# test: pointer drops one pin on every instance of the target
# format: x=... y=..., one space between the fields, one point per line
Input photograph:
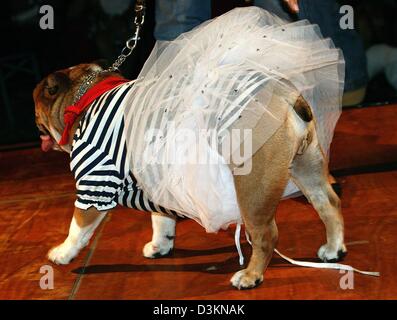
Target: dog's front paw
x=245 y=279
x=63 y=254
x=152 y=250
x=329 y=254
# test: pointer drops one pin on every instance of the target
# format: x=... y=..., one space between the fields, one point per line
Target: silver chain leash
x=130 y=45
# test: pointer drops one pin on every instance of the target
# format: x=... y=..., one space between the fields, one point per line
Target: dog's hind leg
x=81 y=229
x=264 y=236
x=163 y=236
x=258 y=195
x=310 y=173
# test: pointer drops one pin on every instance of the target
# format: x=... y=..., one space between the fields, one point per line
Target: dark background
x=84 y=33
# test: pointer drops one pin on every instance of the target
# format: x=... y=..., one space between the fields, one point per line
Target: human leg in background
x=277 y=7
x=174 y=17
x=326 y=14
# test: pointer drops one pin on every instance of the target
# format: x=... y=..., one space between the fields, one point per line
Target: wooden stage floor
x=36 y=200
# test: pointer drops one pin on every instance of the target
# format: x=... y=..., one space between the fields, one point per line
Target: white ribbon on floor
x=320 y=265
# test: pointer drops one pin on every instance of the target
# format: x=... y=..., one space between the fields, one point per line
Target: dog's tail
x=303 y=110
x=306 y=127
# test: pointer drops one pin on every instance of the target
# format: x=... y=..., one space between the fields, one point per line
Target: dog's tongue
x=46 y=143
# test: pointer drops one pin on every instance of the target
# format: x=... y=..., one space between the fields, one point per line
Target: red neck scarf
x=74 y=111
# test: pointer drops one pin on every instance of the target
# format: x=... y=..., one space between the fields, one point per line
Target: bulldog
x=293 y=152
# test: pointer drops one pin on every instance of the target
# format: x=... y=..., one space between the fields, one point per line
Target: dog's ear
x=56 y=83
x=103 y=63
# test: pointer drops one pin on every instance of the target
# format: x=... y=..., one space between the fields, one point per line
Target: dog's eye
x=52 y=90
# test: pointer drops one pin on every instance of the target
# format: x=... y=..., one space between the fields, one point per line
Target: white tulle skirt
x=199 y=94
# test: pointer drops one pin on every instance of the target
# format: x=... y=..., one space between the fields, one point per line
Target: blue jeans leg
x=326 y=14
x=174 y=17
x=274 y=6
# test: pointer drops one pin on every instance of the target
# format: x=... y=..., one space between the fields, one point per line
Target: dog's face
x=51 y=96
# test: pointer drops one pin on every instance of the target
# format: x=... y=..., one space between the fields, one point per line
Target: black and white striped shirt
x=98 y=158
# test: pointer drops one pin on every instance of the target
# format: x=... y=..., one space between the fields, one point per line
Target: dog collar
x=74 y=111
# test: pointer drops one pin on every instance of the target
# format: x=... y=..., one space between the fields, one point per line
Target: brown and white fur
x=293 y=152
